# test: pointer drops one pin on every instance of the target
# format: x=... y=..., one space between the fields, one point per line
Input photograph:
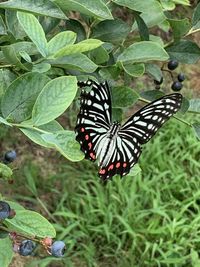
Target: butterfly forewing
x=146 y=122
x=93 y=120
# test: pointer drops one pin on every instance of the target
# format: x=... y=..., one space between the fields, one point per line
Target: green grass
x=152 y=219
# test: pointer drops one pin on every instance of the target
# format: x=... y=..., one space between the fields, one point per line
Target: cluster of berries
x=177 y=84
x=27 y=247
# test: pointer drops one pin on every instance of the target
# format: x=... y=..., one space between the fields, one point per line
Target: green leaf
x=65 y=143
x=196 y=15
x=151 y=94
x=54 y=99
x=154 y=70
x=114 y=31
x=3 y=30
x=75 y=62
x=61 y=40
x=5 y=171
x=2 y=120
x=36 y=136
x=179 y=27
x=6 y=252
x=27 y=47
x=14 y=205
x=13 y=24
x=184 y=51
x=184 y=106
x=194 y=105
x=94 y=8
x=6 y=77
x=110 y=72
x=117 y=114
x=41 y=67
x=30 y=223
x=142 y=27
x=40 y=7
x=19 y=98
x=34 y=31
x=134 y=70
x=76 y=26
x=81 y=47
x=196 y=127
x=123 y=96
x=143 y=51
x=99 y=55
x=135 y=170
x=12 y=57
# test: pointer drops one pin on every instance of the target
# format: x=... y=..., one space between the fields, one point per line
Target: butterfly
x=117 y=147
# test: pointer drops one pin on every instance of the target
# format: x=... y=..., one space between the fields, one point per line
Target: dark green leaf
x=94 y=8
x=20 y=96
x=196 y=15
x=2 y=27
x=194 y=105
x=6 y=77
x=40 y=7
x=113 y=31
x=154 y=70
x=110 y=72
x=13 y=24
x=184 y=51
x=179 y=27
x=196 y=127
x=123 y=96
x=99 y=55
x=54 y=99
x=77 y=27
x=142 y=27
x=117 y=114
x=6 y=252
x=185 y=105
x=134 y=70
x=65 y=143
x=12 y=57
x=151 y=94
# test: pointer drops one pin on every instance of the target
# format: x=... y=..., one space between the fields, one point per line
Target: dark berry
x=176 y=86
x=26 y=247
x=158 y=82
x=10 y=156
x=181 y=77
x=4 y=210
x=172 y=64
x=58 y=249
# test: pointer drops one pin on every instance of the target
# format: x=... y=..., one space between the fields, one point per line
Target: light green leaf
x=61 y=40
x=99 y=55
x=96 y=8
x=134 y=70
x=81 y=47
x=142 y=52
x=123 y=96
x=12 y=57
x=179 y=27
x=5 y=171
x=34 y=31
x=19 y=98
x=154 y=70
x=6 y=77
x=196 y=15
x=40 y=7
x=13 y=24
x=194 y=105
x=65 y=143
x=3 y=30
x=135 y=170
x=30 y=223
x=41 y=67
x=75 y=62
x=6 y=252
x=2 y=120
x=54 y=99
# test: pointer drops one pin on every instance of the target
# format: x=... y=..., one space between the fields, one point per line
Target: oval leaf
x=143 y=51
x=134 y=70
x=123 y=96
x=54 y=99
x=6 y=251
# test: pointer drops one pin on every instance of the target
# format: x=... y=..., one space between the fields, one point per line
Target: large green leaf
x=54 y=99
x=40 y=7
x=142 y=52
x=6 y=77
x=34 y=31
x=61 y=40
x=184 y=51
x=30 y=223
x=123 y=96
x=6 y=252
x=19 y=98
x=96 y=8
x=179 y=27
x=75 y=62
x=81 y=47
x=65 y=143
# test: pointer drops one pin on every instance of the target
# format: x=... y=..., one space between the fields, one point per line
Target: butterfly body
x=118 y=147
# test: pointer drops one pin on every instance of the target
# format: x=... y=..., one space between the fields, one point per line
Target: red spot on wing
x=90 y=145
x=102 y=171
x=110 y=167
x=86 y=137
x=92 y=155
x=82 y=130
x=118 y=165
x=124 y=164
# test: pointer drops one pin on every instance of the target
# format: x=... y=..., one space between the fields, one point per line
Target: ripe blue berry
x=4 y=210
x=181 y=77
x=158 y=82
x=58 y=249
x=26 y=247
x=10 y=156
x=172 y=64
x=176 y=86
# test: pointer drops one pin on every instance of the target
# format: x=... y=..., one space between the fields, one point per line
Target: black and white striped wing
x=94 y=118
x=146 y=122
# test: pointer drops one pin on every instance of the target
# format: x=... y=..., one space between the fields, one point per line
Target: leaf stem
x=29 y=127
